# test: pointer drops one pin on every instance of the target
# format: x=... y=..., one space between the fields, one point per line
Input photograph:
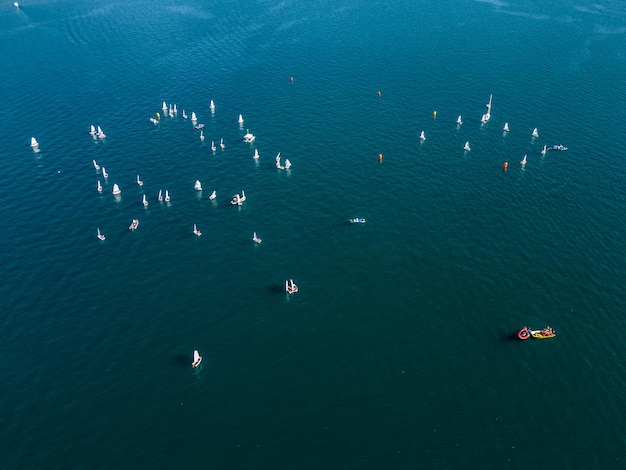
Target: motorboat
x=196 y=232
x=466 y=147
x=95 y=165
x=240 y=120
x=213 y=195
x=198 y=127
x=256 y=239
x=33 y=143
x=560 y=147
x=197 y=359
x=485 y=118
x=133 y=225
x=291 y=287
x=197 y=186
x=248 y=137
x=144 y=201
x=139 y=182
x=357 y=220
x=100 y=236
x=547 y=332
x=422 y=136
x=116 y=189
x=506 y=127
x=99 y=187
x=523 y=162
x=535 y=132
x=459 y=120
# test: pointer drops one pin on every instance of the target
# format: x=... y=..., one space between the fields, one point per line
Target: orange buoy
x=434 y=114
x=505 y=166
x=380 y=157
x=379 y=94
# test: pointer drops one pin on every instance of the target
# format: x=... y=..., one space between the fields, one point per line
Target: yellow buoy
x=158 y=116
x=434 y=114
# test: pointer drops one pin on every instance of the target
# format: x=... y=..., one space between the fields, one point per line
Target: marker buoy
x=379 y=94
x=380 y=157
x=291 y=80
x=505 y=166
x=434 y=114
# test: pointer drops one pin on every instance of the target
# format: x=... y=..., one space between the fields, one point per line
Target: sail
x=193 y=116
x=196 y=355
x=197 y=186
x=116 y=189
x=33 y=142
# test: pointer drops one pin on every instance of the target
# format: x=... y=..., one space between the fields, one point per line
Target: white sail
x=544 y=150
x=222 y=143
x=139 y=182
x=255 y=238
x=487 y=115
x=240 y=120
x=104 y=173
x=459 y=121
x=256 y=154
x=212 y=106
x=213 y=147
x=287 y=287
x=196 y=232
x=243 y=196
x=193 y=116
x=160 y=197
x=92 y=130
x=213 y=195
x=197 y=359
x=175 y=109
x=167 y=196
x=506 y=127
x=33 y=142
x=201 y=136
x=100 y=236
x=99 y=187
x=422 y=136
x=197 y=186
x=467 y=146
x=535 y=132
x=116 y=189
x=95 y=165
x=523 y=162
x=164 y=107
x=144 y=201
x=287 y=164
x=184 y=114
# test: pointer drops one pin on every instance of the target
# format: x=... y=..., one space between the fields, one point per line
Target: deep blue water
x=398 y=350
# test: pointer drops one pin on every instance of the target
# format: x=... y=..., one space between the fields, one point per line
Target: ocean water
x=398 y=351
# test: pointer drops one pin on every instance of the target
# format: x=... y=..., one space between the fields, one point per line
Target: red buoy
x=379 y=94
x=524 y=333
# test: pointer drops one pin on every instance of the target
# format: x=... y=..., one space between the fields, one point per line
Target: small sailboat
x=184 y=114
x=212 y=106
x=243 y=196
x=167 y=196
x=535 y=132
x=175 y=109
x=95 y=165
x=100 y=236
x=236 y=200
x=101 y=135
x=160 y=196
x=196 y=232
x=104 y=173
x=466 y=147
x=197 y=186
x=33 y=143
x=197 y=359
x=287 y=164
x=506 y=127
x=523 y=162
x=16 y=5
x=422 y=136
x=248 y=137
x=164 y=107
x=92 y=130
x=202 y=136
x=144 y=201
x=256 y=239
x=139 y=182
x=240 y=120
x=99 y=187
x=116 y=189
x=133 y=225
x=193 y=116
x=278 y=165
x=256 y=154
x=544 y=150
x=171 y=111
x=222 y=146
x=459 y=120
x=213 y=147
x=213 y=195
x=485 y=118
x=291 y=287
x=154 y=121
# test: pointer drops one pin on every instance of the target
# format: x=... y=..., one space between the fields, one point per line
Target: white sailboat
x=212 y=106
x=535 y=132
x=236 y=200
x=160 y=196
x=92 y=130
x=133 y=225
x=171 y=111
x=164 y=107
x=278 y=165
x=144 y=201
x=422 y=136
x=248 y=137
x=154 y=121
x=196 y=232
x=240 y=120
x=256 y=239
x=213 y=195
x=291 y=287
x=523 y=162
x=487 y=115
x=256 y=154
x=197 y=186
x=222 y=145
x=167 y=196
x=287 y=164
x=544 y=150
x=202 y=136
x=105 y=175
x=184 y=114
x=193 y=116
x=33 y=143
x=213 y=147
x=243 y=196
x=101 y=135
x=100 y=236
x=95 y=165
x=459 y=121
x=506 y=127
x=197 y=359
x=116 y=189
x=139 y=182
x=175 y=109
x=99 y=187
x=466 y=147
